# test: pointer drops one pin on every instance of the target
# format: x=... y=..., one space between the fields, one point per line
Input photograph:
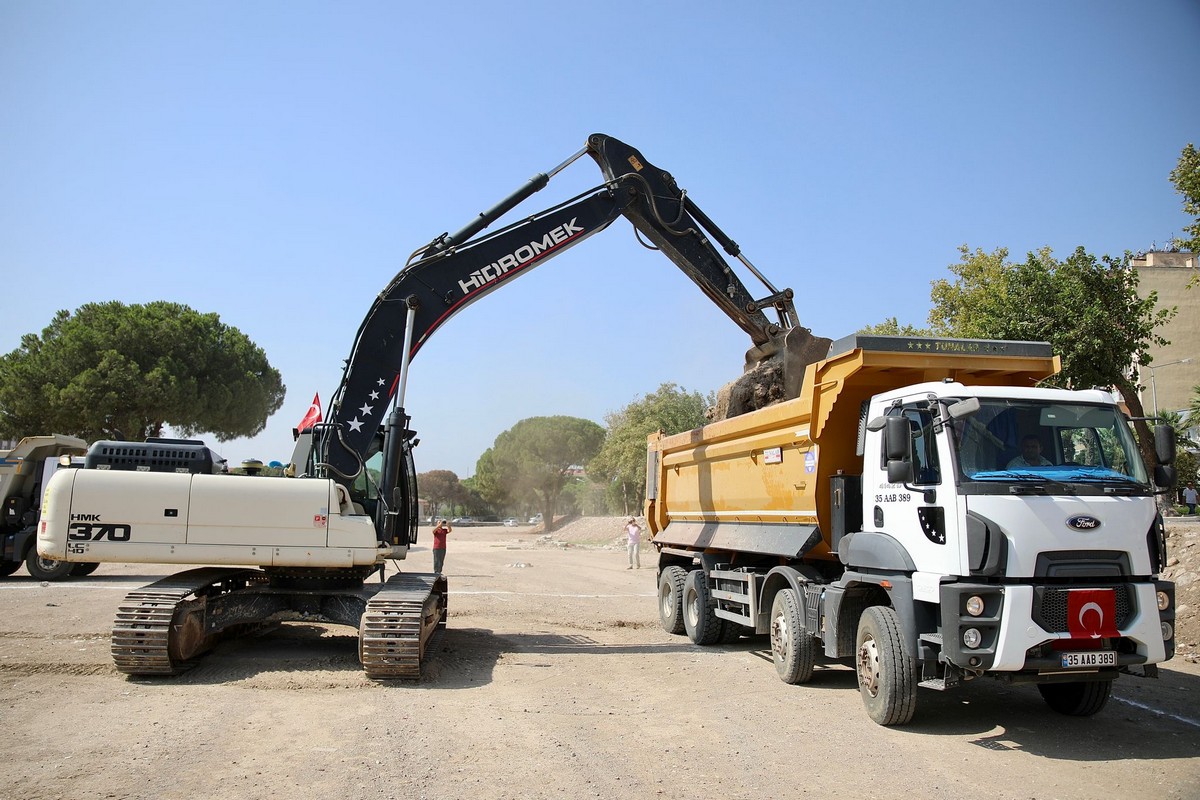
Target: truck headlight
x=1168 y=631
x=1164 y=601
x=972 y=637
x=974 y=605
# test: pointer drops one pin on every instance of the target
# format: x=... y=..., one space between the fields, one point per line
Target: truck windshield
x=1083 y=447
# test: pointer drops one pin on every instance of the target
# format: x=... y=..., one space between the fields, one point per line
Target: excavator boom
x=455 y=270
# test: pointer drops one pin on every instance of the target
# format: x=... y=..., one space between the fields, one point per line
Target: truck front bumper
x=1023 y=628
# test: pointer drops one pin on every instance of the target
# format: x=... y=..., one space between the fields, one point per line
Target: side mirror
x=897 y=439
x=897 y=446
x=899 y=471
x=1164 y=476
x=1164 y=444
x=963 y=408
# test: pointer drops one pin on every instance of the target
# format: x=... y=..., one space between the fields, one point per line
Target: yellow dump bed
x=760 y=482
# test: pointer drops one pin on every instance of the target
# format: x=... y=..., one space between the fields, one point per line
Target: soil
x=554 y=679
x=1183 y=567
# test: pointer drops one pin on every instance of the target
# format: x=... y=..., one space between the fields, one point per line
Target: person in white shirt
x=634 y=546
x=1031 y=454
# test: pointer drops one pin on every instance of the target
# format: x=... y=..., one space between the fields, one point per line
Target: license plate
x=1089 y=659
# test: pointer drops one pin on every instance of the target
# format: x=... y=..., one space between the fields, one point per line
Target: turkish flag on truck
x=313 y=416
x=1092 y=613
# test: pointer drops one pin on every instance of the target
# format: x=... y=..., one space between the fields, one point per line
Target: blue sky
x=276 y=162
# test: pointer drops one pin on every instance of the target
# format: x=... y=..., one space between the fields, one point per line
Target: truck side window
x=924 y=445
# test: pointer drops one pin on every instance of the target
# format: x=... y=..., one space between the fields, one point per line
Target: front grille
x=1050 y=607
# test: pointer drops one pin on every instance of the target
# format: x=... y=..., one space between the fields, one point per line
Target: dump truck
x=927 y=513
x=24 y=472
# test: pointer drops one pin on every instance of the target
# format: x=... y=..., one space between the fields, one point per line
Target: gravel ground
x=1183 y=567
x=552 y=679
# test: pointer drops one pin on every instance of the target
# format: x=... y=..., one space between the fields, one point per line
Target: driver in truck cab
x=1031 y=454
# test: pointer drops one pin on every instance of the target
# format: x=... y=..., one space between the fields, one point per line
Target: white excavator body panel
x=179 y=518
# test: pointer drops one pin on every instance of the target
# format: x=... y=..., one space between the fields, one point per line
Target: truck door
x=921 y=515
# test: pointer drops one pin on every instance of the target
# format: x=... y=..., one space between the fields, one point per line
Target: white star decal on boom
x=366 y=410
x=374 y=395
x=379 y=382
x=355 y=425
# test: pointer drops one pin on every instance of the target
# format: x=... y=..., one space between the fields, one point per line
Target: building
x=1167 y=384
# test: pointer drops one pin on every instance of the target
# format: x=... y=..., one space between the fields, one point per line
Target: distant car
x=536 y=519
x=511 y=522
x=463 y=521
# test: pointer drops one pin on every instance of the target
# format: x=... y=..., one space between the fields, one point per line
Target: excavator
x=319 y=539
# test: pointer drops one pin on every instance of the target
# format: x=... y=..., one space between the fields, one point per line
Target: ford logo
x=1083 y=523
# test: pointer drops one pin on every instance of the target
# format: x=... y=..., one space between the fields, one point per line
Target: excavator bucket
x=773 y=373
x=800 y=348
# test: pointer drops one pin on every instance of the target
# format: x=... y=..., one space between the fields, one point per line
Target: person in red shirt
x=439 y=545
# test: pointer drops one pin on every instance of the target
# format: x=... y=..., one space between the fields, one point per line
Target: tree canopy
x=441 y=488
x=111 y=367
x=534 y=459
x=1186 y=177
x=891 y=327
x=1087 y=308
x=621 y=462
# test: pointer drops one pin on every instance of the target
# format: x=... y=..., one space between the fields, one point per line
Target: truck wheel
x=700 y=620
x=792 y=649
x=47 y=569
x=670 y=599
x=886 y=674
x=1078 y=698
x=731 y=631
x=8 y=568
x=84 y=568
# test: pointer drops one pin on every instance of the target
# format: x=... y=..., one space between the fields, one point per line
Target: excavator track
x=150 y=635
x=397 y=624
x=162 y=627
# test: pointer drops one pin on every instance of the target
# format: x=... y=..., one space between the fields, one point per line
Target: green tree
x=1088 y=309
x=1186 y=177
x=533 y=459
x=891 y=327
x=440 y=488
x=490 y=483
x=111 y=367
x=621 y=462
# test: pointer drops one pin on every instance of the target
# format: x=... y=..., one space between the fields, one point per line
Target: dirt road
x=553 y=679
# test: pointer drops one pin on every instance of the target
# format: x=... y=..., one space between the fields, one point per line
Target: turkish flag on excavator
x=1092 y=613
x=313 y=416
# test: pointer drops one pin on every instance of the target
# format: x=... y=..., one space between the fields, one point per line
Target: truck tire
x=8 y=568
x=82 y=568
x=1078 y=698
x=700 y=619
x=47 y=569
x=792 y=649
x=731 y=631
x=670 y=599
x=887 y=677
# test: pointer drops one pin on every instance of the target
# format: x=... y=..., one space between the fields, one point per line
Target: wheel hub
x=868 y=666
x=779 y=637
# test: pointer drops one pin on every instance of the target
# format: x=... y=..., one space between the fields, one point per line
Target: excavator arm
x=457 y=269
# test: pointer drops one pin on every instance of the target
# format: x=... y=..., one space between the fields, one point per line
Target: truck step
x=934 y=683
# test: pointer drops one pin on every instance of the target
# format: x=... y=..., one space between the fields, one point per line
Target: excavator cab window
x=364 y=491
